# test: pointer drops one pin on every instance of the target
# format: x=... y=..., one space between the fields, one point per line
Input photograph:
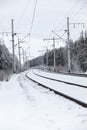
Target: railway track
x=83 y=86
x=37 y=78
x=57 y=77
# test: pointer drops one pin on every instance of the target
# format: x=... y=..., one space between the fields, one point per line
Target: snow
x=26 y=106
x=77 y=93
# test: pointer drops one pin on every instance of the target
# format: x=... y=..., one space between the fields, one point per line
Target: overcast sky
x=50 y=15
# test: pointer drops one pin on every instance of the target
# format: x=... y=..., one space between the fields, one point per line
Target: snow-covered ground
x=26 y=106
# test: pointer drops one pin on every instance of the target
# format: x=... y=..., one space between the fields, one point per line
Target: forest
x=78 y=54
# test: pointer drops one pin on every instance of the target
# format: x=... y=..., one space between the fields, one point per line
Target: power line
x=29 y=34
x=34 y=11
x=74 y=12
x=71 y=11
x=78 y=11
x=25 y=36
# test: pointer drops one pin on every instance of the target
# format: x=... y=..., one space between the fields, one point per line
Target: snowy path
x=26 y=106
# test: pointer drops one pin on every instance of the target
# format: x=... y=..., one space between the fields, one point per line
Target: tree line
x=78 y=54
x=6 y=58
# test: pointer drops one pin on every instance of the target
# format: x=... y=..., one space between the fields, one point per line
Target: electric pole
x=23 y=55
x=23 y=58
x=42 y=51
x=19 y=54
x=68 y=41
x=54 y=61
x=12 y=26
x=54 y=57
x=47 y=57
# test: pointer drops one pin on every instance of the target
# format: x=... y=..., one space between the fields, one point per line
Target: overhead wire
x=34 y=11
x=73 y=11
x=34 y=16
x=73 y=14
x=78 y=11
x=32 y=21
x=70 y=11
x=31 y=26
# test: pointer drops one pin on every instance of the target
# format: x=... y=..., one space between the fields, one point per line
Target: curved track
x=36 y=76
x=79 y=85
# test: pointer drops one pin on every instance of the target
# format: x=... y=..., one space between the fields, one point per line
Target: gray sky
x=50 y=15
